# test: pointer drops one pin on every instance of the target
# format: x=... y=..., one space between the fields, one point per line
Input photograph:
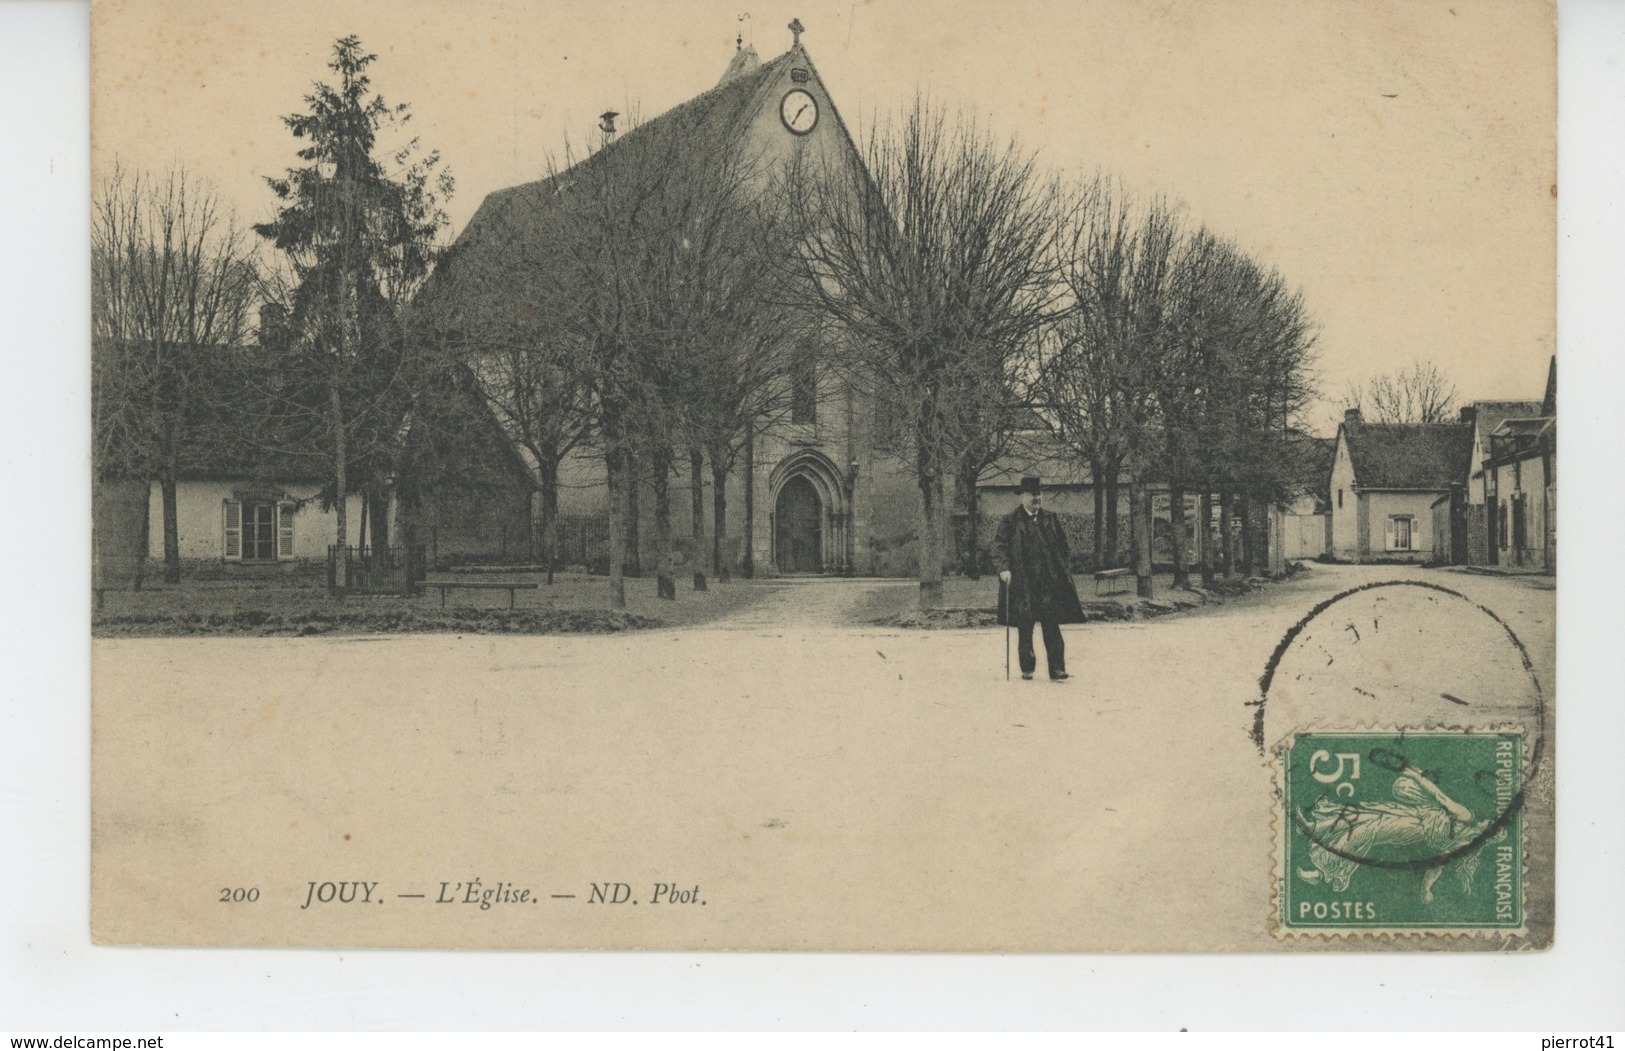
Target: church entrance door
x=798 y=540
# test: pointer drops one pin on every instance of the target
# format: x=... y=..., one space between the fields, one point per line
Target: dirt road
x=822 y=786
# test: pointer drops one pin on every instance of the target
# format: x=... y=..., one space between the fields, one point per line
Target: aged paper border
x=47 y=766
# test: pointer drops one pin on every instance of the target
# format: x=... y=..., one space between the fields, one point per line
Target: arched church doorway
x=798 y=518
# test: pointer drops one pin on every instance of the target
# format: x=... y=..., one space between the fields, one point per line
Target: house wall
x=1383 y=506
x=1478 y=534
x=1441 y=531
x=1475 y=469
x=200 y=522
x=880 y=501
x=1345 y=531
x=1527 y=478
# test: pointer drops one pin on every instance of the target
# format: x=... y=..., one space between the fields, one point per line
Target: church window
x=804 y=387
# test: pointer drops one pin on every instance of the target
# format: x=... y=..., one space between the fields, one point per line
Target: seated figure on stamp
x=1422 y=817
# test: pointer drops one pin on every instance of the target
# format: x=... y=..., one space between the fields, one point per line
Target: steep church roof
x=744 y=61
x=477 y=281
x=709 y=122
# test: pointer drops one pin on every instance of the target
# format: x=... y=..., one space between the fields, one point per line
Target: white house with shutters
x=1385 y=481
x=243 y=523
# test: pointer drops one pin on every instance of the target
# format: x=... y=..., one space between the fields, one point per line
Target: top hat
x=1029 y=484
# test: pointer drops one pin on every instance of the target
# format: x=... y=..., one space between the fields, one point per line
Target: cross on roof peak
x=796 y=29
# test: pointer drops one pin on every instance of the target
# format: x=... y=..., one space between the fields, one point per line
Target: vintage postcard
x=832 y=476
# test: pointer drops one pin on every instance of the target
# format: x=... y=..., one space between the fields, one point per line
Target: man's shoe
x=1026 y=675
x=1059 y=676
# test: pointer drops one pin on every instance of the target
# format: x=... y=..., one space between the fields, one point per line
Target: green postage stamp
x=1402 y=831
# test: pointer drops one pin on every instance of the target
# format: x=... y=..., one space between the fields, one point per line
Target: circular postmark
x=1409 y=721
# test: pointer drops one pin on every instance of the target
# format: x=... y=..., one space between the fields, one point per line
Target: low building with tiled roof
x=1385 y=479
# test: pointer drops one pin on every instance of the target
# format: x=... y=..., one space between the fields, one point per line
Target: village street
x=822 y=785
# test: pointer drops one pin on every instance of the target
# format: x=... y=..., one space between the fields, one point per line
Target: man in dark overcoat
x=1034 y=566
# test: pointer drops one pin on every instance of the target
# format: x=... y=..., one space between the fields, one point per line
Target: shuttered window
x=284 y=530
x=233 y=517
x=1401 y=534
x=256 y=531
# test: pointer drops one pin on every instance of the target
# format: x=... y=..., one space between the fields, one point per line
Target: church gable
x=774 y=112
x=796 y=119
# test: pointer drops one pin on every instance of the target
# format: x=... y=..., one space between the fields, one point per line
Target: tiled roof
x=1409 y=455
x=1487 y=415
x=478 y=278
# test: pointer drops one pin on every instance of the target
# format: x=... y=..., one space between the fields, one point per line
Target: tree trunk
x=932 y=548
x=1139 y=502
x=719 y=520
x=1204 y=536
x=146 y=538
x=335 y=420
x=406 y=518
x=960 y=544
x=634 y=541
x=1226 y=554
x=973 y=530
x=1100 y=514
x=665 y=574
x=549 y=538
x=748 y=563
x=1176 y=534
x=1113 y=548
x=696 y=482
x=1246 y=511
x=378 y=515
x=172 y=533
x=615 y=476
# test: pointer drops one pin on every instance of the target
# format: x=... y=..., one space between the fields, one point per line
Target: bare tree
x=934 y=256
x=1109 y=352
x=623 y=291
x=173 y=287
x=482 y=308
x=1179 y=358
x=742 y=352
x=1418 y=393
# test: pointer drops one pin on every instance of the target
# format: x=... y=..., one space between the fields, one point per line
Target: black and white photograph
x=835 y=476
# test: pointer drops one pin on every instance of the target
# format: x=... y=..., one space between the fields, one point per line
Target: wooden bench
x=1111 y=576
x=481 y=585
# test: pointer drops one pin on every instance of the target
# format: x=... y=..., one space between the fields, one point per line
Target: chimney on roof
x=1352 y=418
x=1469 y=414
x=606 y=124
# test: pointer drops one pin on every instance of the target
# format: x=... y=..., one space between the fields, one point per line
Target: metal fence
x=583 y=540
x=377 y=571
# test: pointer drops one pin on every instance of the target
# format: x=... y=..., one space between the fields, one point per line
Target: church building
x=821 y=488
